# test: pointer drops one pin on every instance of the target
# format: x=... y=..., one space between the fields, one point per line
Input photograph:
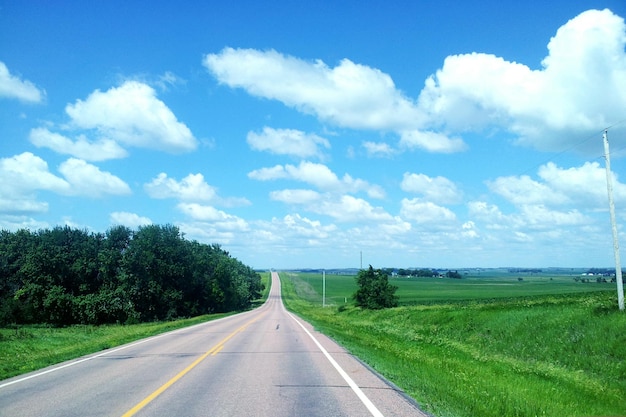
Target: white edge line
x=108 y=352
x=366 y=401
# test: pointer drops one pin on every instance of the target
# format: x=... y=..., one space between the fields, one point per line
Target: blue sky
x=421 y=134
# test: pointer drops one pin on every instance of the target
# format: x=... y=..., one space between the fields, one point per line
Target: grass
x=485 y=352
x=28 y=348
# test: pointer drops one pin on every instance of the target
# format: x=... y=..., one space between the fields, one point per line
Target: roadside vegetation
x=25 y=348
x=537 y=352
x=64 y=276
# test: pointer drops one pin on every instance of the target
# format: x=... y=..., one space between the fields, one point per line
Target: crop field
x=485 y=285
x=489 y=345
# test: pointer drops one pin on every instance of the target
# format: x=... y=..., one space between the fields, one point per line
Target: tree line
x=64 y=276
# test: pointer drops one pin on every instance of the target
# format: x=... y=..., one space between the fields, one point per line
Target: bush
x=374 y=290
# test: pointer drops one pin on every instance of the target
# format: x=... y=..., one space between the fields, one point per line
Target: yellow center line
x=213 y=351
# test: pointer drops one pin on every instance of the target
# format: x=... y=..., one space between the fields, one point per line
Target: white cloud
x=378 y=149
x=296 y=196
x=21 y=176
x=268 y=174
x=89 y=180
x=288 y=142
x=349 y=95
x=100 y=150
x=12 y=86
x=343 y=208
x=191 y=188
x=583 y=186
x=469 y=230
x=319 y=176
x=426 y=213
x=524 y=190
x=580 y=89
x=490 y=214
x=208 y=224
x=27 y=172
x=351 y=209
x=167 y=80
x=431 y=141
x=131 y=114
x=131 y=220
x=298 y=226
x=539 y=216
x=437 y=189
x=220 y=219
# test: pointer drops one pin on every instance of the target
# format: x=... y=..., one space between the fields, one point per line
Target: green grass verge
x=28 y=348
x=540 y=355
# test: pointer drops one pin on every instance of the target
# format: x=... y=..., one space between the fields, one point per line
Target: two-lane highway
x=264 y=362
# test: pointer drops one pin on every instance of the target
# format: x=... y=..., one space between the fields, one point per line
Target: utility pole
x=324 y=288
x=609 y=187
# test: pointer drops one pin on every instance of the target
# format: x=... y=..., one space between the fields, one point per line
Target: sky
x=443 y=134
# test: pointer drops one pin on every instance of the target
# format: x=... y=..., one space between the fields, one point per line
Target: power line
x=594 y=135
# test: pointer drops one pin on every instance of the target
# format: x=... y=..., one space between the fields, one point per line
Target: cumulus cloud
x=529 y=219
x=29 y=172
x=584 y=186
x=89 y=180
x=192 y=188
x=319 y=176
x=301 y=226
x=580 y=89
x=343 y=208
x=288 y=142
x=21 y=176
x=132 y=114
x=291 y=196
x=431 y=141
x=208 y=224
x=348 y=95
x=103 y=125
x=426 y=212
x=347 y=208
x=131 y=220
x=210 y=214
x=12 y=86
x=99 y=150
x=379 y=149
x=539 y=216
x=438 y=189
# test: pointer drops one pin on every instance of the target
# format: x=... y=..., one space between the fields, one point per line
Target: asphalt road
x=264 y=362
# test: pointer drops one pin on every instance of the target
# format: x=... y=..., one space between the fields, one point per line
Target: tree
x=63 y=276
x=374 y=291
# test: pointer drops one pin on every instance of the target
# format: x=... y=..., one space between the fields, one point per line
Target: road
x=264 y=362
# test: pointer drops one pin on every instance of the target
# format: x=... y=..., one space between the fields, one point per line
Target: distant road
x=264 y=362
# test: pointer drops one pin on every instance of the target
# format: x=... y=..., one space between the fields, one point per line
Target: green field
x=484 y=345
x=486 y=285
